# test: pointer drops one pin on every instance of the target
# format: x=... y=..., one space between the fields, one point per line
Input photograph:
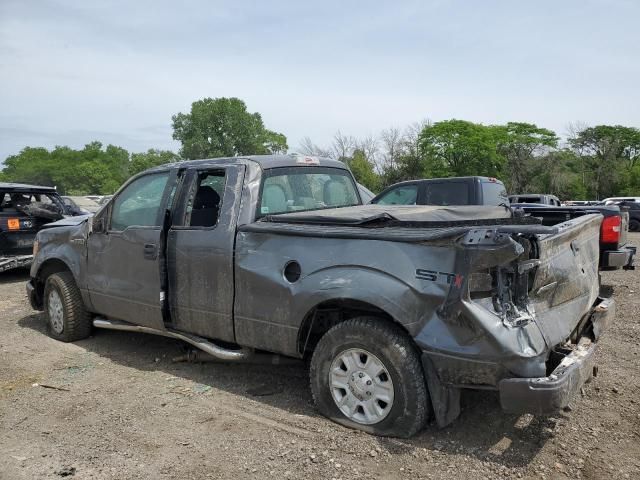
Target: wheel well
x=327 y=314
x=46 y=269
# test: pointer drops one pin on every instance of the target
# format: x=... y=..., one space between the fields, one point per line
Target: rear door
x=200 y=252
x=123 y=264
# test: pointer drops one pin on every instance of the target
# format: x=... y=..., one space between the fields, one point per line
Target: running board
x=199 y=342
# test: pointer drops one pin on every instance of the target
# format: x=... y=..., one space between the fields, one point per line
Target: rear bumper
x=621 y=258
x=545 y=395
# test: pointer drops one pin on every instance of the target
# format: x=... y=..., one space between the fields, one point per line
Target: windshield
x=297 y=189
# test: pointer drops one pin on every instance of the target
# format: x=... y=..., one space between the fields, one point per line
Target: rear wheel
x=366 y=374
x=67 y=317
x=634 y=225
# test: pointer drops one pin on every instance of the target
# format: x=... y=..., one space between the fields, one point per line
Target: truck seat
x=205 y=207
x=274 y=199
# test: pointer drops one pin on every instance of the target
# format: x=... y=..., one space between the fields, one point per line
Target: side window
x=204 y=207
x=447 y=193
x=404 y=195
x=494 y=193
x=139 y=203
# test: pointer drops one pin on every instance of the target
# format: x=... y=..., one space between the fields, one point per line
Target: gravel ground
x=123 y=409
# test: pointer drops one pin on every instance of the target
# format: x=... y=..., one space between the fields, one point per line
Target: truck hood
x=68 y=221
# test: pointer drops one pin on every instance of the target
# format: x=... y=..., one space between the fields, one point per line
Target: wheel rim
x=361 y=386
x=56 y=313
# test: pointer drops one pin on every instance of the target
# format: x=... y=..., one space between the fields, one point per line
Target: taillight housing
x=611 y=229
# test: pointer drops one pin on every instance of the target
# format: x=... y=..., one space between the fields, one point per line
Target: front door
x=200 y=247
x=123 y=269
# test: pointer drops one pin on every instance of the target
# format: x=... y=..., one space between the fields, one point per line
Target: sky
x=116 y=71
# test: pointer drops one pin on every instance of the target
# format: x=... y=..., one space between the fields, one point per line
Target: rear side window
x=139 y=203
x=403 y=195
x=494 y=193
x=447 y=193
x=204 y=209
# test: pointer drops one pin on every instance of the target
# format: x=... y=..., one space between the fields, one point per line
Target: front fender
x=62 y=246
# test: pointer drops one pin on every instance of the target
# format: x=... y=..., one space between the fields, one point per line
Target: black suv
x=24 y=209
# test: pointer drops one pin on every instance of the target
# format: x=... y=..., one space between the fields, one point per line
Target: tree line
x=590 y=163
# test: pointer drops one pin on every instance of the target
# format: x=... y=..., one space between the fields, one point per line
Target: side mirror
x=98 y=225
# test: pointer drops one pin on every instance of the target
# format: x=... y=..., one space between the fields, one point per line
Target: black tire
x=634 y=225
x=75 y=319
x=411 y=406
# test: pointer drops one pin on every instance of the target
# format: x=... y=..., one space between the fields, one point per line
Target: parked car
x=104 y=199
x=620 y=199
x=81 y=205
x=581 y=203
x=397 y=308
x=634 y=214
x=539 y=198
x=615 y=250
x=445 y=191
x=24 y=209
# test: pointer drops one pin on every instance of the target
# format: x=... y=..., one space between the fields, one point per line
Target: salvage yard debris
x=52 y=387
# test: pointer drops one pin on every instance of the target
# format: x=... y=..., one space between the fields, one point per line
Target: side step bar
x=205 y=345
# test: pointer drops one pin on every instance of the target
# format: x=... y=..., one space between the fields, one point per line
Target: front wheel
x=67 y=317
x=366 y=374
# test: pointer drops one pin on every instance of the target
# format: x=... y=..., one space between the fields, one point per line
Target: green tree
x=222 y=127
x=403 y=156
x=610 y=154
x=151 y=158
x=457 y=148
x=31 y=165
x=92 y=170
x=558 y=173
x=519 y=143
x=363 y=170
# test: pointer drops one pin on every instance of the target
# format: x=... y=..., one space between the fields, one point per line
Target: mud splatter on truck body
x=399 y=307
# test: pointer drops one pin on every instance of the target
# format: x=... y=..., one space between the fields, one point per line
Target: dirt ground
x=124 y=409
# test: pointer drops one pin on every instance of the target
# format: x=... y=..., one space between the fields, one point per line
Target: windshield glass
x=296 y=189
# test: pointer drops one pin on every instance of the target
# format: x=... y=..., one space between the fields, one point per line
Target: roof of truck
x=451 y=179
x=264 y=161
x=21 y=187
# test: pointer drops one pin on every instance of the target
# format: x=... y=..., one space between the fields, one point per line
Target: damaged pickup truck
x=397 y=308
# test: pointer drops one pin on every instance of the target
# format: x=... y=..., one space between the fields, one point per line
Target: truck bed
x=396 y=223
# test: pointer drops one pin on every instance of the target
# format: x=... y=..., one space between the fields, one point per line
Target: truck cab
x=171 y=231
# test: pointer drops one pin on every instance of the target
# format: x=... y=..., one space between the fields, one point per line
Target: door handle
x=150 y=251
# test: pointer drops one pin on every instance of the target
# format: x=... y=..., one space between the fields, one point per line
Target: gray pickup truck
x=396 y=308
